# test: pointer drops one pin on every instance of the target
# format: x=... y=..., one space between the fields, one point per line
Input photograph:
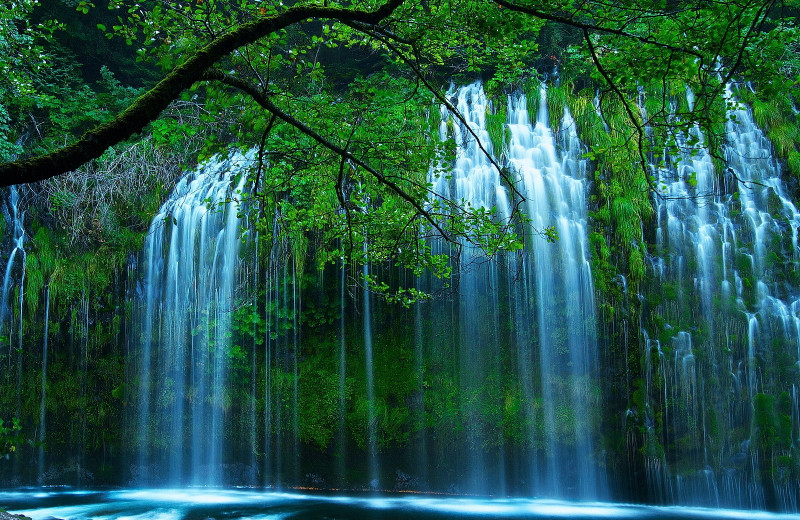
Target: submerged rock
x=11 y=516
x=406 y=482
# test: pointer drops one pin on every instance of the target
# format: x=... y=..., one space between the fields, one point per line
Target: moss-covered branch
x=148 y=107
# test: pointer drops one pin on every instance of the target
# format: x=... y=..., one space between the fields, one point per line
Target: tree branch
x=639 y=130
x=266 y=103
x=148 y=106
x=520 y=197
x=594 y=27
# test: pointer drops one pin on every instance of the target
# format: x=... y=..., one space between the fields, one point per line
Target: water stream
x=545 y=294
x=186 y=504
x=11 y=332
x=191 y=264
x=719 y=242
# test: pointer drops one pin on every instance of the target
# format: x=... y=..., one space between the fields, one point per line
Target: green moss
x=45 y=250
x=783 y=420
x=626 y=220
x=793 y=161
x=652 y=449
x=34 y=282
x=766 y=115
x=319 y=392
x=590 y=126
x=531 y=87
x=784 y=138
x=556 y=101
x=636 y=265
x=496 y=128
x=764 y=421
x=40 y=265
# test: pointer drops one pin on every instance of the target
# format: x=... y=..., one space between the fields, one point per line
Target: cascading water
x=191 y=260
x=272 y=414
x=12 y=214
x=492 y=387
x=11 y=329
x=531 y=314
x=730 y=312
x=372 y=441
x=341 y=434
x=14 y=275
x=548 y=296
x=283 y=299
x=43 y=396
x=474 y=181
x=560 y=275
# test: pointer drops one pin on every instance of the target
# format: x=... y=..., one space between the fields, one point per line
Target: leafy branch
x=148 y=106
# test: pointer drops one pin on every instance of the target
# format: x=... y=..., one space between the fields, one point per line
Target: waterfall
x=43 y=396
x=372 y=440
x=729 y=308
x=295 y=356
x=555 y=186
x=341 y=434
x=12 y=214
x=282 y=448
x=14 y=271
x=550 y=300
x=421 y=458
x=474 y=181
x=254 y=366
x=192 y=253
x=271 y=328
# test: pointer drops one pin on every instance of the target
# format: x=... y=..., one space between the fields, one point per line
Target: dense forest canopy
x=268 y=53
x=338 y=97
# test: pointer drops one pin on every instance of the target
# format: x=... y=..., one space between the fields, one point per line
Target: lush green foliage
x=10 y=437
x=335 y=114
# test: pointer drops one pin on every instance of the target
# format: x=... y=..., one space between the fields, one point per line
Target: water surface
x=206 y=504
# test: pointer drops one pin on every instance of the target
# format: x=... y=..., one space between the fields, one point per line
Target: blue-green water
x=217 y=504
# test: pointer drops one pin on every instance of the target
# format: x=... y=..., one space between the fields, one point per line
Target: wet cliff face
x=649 y=352
x=720 y=330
